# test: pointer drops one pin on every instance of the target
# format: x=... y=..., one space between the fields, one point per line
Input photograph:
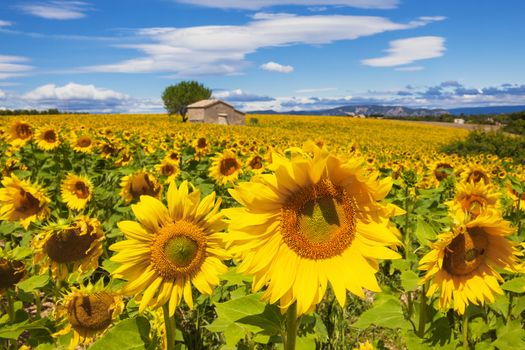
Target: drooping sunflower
x=139 y=184
x=315 y=220
x=11 y=271
x=22 y=201
x=69 y=246
x=171 y=249
x=462 y=263
x=255 y=164
x=225 y=168
x=474 y=197
x=19 y=133
x=76 y=191
x=475 y=172
x=47 y=139
x=88 y=312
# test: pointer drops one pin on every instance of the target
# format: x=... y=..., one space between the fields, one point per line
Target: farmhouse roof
x=209 y=103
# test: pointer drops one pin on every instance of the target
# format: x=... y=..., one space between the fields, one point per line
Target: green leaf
x=516 y=285
x=305 y=343
x=130 y=334
x=409 y=280
x=234 y=278
x=424 y=232
x=13 y=331
x=33 y=283
x=510 y=337
x=386 y=312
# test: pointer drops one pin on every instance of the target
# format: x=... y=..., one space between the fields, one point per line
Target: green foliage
x=496 y=143
x=177 y=97
x=130 y=334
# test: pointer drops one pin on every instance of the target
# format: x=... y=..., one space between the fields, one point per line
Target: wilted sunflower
x=442 y=170
x=462 y=264
x=474 y=197
x=169 y=169
x=47 y=139
x=76 y=191
x=20 y=133
x=255 y=164
x=82 y=143
x=88 y=312
x=171 y=249
x=22 y=201
x=475 y=172
x=11 y=271
x=139 y=184
x=315 y=220
x=225 y=168
x=65 y=246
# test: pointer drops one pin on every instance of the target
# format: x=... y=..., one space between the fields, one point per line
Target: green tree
x=177 y=97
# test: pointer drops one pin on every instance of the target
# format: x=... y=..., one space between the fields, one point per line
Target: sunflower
x=47 y=139
x=19 y=133
x=22 y=201
x=11 y=271
x=171 y=249
x=462 y=263
x=169 y=169
x=475 y=172
x=139 y=184
x=66 y=246
x=442 y=170
x=255 y=164
x=225 y=168
x=365 y=346
x=76 y=191
x=201 y=147
x=474 y=197
x=315 y=220
x=82 y=143
x=88 y=312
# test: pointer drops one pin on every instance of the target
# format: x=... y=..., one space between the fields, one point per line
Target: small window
x=223 y=120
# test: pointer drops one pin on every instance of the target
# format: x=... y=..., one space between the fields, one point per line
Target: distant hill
x=487 y=110
x=398 y=111
x=390 y=111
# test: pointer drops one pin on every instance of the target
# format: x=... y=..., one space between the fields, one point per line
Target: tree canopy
x=177 y=97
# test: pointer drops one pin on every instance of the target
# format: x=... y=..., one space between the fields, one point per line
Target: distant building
x=214 y=112
x=459 y=121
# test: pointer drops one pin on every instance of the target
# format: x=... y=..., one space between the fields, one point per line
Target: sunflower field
x=141 y=232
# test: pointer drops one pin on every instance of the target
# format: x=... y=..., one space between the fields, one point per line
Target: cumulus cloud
x=11 y=66
x=5 y=23
x=57 y=9
x=276 y=67
x=75 y=97
x=223 y=49
x=238 y=95
x=406 y=51
x=258 y=4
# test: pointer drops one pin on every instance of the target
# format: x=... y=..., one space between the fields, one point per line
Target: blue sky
x=119 y=55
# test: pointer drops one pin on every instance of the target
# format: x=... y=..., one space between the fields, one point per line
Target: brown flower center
x=11 y=272
x=201 y=142
x=256 y=163
x=476 y=176
x=84 y=141
x=442 y=171
x=179 y=249
x=228 y=166
x=50 y=136
x=466 y=252
x=141 y=185
x=23 y=131
x=319 y=221
x=167 y=169
x=92 y=313
x=70 y=245
x=81 y=190
x=26 y=204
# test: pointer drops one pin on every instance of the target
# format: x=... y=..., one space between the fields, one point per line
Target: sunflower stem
x=10 y=306
x=169 y=323
x=422 y=313
x=38 y=303
x=465 y=331
x=291 y=327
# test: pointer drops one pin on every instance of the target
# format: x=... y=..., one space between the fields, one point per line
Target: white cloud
x=257 y=4
x=73 y=91
x=5 y=23
x=2 y=94
x=409 y=69
x=276 y=67
x=57 y=9
x=222 y=49
x=239 y=95
x=10 y=66
x=406 y=51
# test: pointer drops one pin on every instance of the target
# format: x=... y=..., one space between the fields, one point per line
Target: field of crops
x=142 y=232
